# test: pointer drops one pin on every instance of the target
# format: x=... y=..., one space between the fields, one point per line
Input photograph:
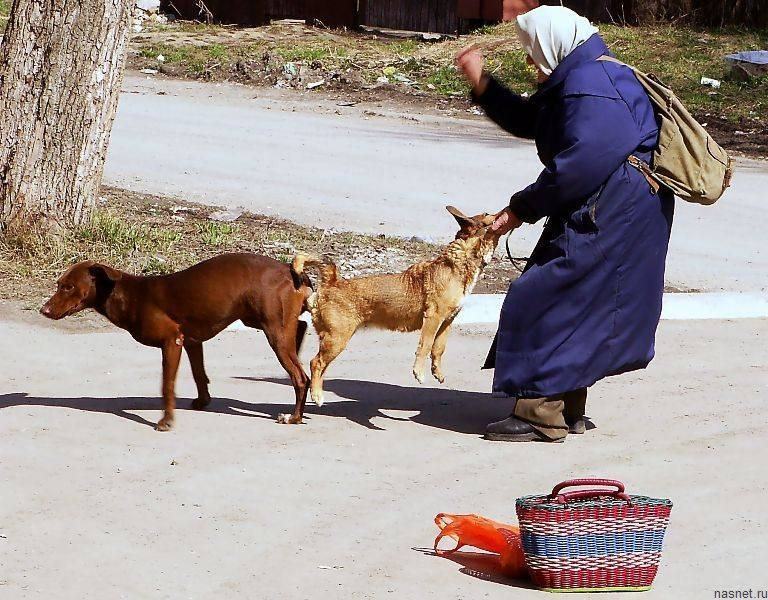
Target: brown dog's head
x=84 y=285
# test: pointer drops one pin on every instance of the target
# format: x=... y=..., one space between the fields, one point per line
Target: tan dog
x=426 y=296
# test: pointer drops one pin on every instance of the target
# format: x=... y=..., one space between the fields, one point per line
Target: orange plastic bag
x=479 y=532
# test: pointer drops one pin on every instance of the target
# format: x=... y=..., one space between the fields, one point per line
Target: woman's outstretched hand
x=505 y=222
x=470 y=61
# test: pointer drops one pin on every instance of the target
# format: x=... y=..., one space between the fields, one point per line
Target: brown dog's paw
x=164 y=425
x=200 y=403
x=286 y=419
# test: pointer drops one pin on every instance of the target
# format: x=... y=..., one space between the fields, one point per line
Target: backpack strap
x=633 y=160
x=612 y=59
x=646 y=170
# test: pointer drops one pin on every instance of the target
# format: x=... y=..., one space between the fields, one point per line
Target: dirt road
x=95 y=504
x=379 y=169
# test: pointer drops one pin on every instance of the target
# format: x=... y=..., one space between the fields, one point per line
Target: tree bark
x=61 y=67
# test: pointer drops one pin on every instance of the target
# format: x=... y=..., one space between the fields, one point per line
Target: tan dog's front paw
x=418 y=374
x=164 y=424
x=317 y=397
x=287 y=419
x=438 y=374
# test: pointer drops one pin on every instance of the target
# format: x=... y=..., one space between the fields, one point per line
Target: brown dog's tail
x=328 y=272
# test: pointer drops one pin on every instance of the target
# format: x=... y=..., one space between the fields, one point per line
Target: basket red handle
x=564 y=497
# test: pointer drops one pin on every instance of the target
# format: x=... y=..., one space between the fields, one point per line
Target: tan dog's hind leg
x=429 y=329
x=438 y=348
x=331 y=345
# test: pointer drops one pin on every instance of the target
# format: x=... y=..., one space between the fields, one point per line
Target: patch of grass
x=145 y=234
x=448 y=81
x=403 y=47
x=150 y=235
x=217 y=51
x=511 y=68
x=214 y=233
x=681 y=56
x=5 y=10
x=115 y=235
x=310 y=53
x=192 y=58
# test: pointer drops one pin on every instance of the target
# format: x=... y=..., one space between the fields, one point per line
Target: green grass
x=217 y=51
x=108 y=237
x=403 y=47
x=310 y=53
x=447 y=81
x=5 y=9
x=680 y=56
x=148 y=235
x=112 y=236
x=213 y=233
x=194 y=59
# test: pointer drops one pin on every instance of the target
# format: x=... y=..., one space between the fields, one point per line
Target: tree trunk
x=61 y=67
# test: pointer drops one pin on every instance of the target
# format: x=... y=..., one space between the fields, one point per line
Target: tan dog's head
x=477 y=232
x=84 y=285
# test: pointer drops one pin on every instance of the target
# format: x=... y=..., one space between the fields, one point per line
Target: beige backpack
x=687 y=161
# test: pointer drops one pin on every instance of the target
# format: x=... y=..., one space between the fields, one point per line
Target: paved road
x=312 y=161
x=94 y=504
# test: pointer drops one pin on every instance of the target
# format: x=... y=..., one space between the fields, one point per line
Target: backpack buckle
x=646 y=170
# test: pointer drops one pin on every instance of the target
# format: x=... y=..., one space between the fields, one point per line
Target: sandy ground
x=95 y=504
x=382 y=168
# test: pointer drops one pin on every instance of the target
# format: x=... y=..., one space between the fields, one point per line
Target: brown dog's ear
x=100 y=271
x=462 y=219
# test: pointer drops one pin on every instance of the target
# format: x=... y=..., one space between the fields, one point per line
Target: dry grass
x=148 y=235
x=259 y=54
x=679 y=54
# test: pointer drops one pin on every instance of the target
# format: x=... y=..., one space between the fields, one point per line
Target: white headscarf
x=550 y=33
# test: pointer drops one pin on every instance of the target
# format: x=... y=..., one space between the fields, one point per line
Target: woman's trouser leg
x=544 y=414
x=575 y=406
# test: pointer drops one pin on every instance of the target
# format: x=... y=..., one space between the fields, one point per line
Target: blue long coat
x=589 y=301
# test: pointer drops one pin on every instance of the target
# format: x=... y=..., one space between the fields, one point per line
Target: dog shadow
x=480 y=565
x=121 y=407
x=362 y=401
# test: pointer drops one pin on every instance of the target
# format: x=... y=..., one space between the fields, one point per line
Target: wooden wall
x=452 y=16
x=438 y=16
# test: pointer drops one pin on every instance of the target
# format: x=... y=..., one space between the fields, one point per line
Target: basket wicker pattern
x=597 y=540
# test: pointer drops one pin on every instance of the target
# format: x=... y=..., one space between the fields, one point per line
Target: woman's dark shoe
x=513 y=429
x=578 y=426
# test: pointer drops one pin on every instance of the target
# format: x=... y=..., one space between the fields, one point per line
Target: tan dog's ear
x=103 y=271
x=462 y=219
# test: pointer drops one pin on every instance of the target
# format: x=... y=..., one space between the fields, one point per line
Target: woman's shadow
x=361 y=402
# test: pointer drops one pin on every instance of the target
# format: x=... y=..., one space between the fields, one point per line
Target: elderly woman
x=588 y=303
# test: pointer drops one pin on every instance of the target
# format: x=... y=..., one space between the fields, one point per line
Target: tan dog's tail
x=328 y=272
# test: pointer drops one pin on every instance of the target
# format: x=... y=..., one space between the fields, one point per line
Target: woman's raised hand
x=470 y=61
x=505 y=221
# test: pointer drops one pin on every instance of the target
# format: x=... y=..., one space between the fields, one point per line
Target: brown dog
x=187 y=308
x=427 y=296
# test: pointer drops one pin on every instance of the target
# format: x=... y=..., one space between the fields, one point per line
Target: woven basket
x=592 y=540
